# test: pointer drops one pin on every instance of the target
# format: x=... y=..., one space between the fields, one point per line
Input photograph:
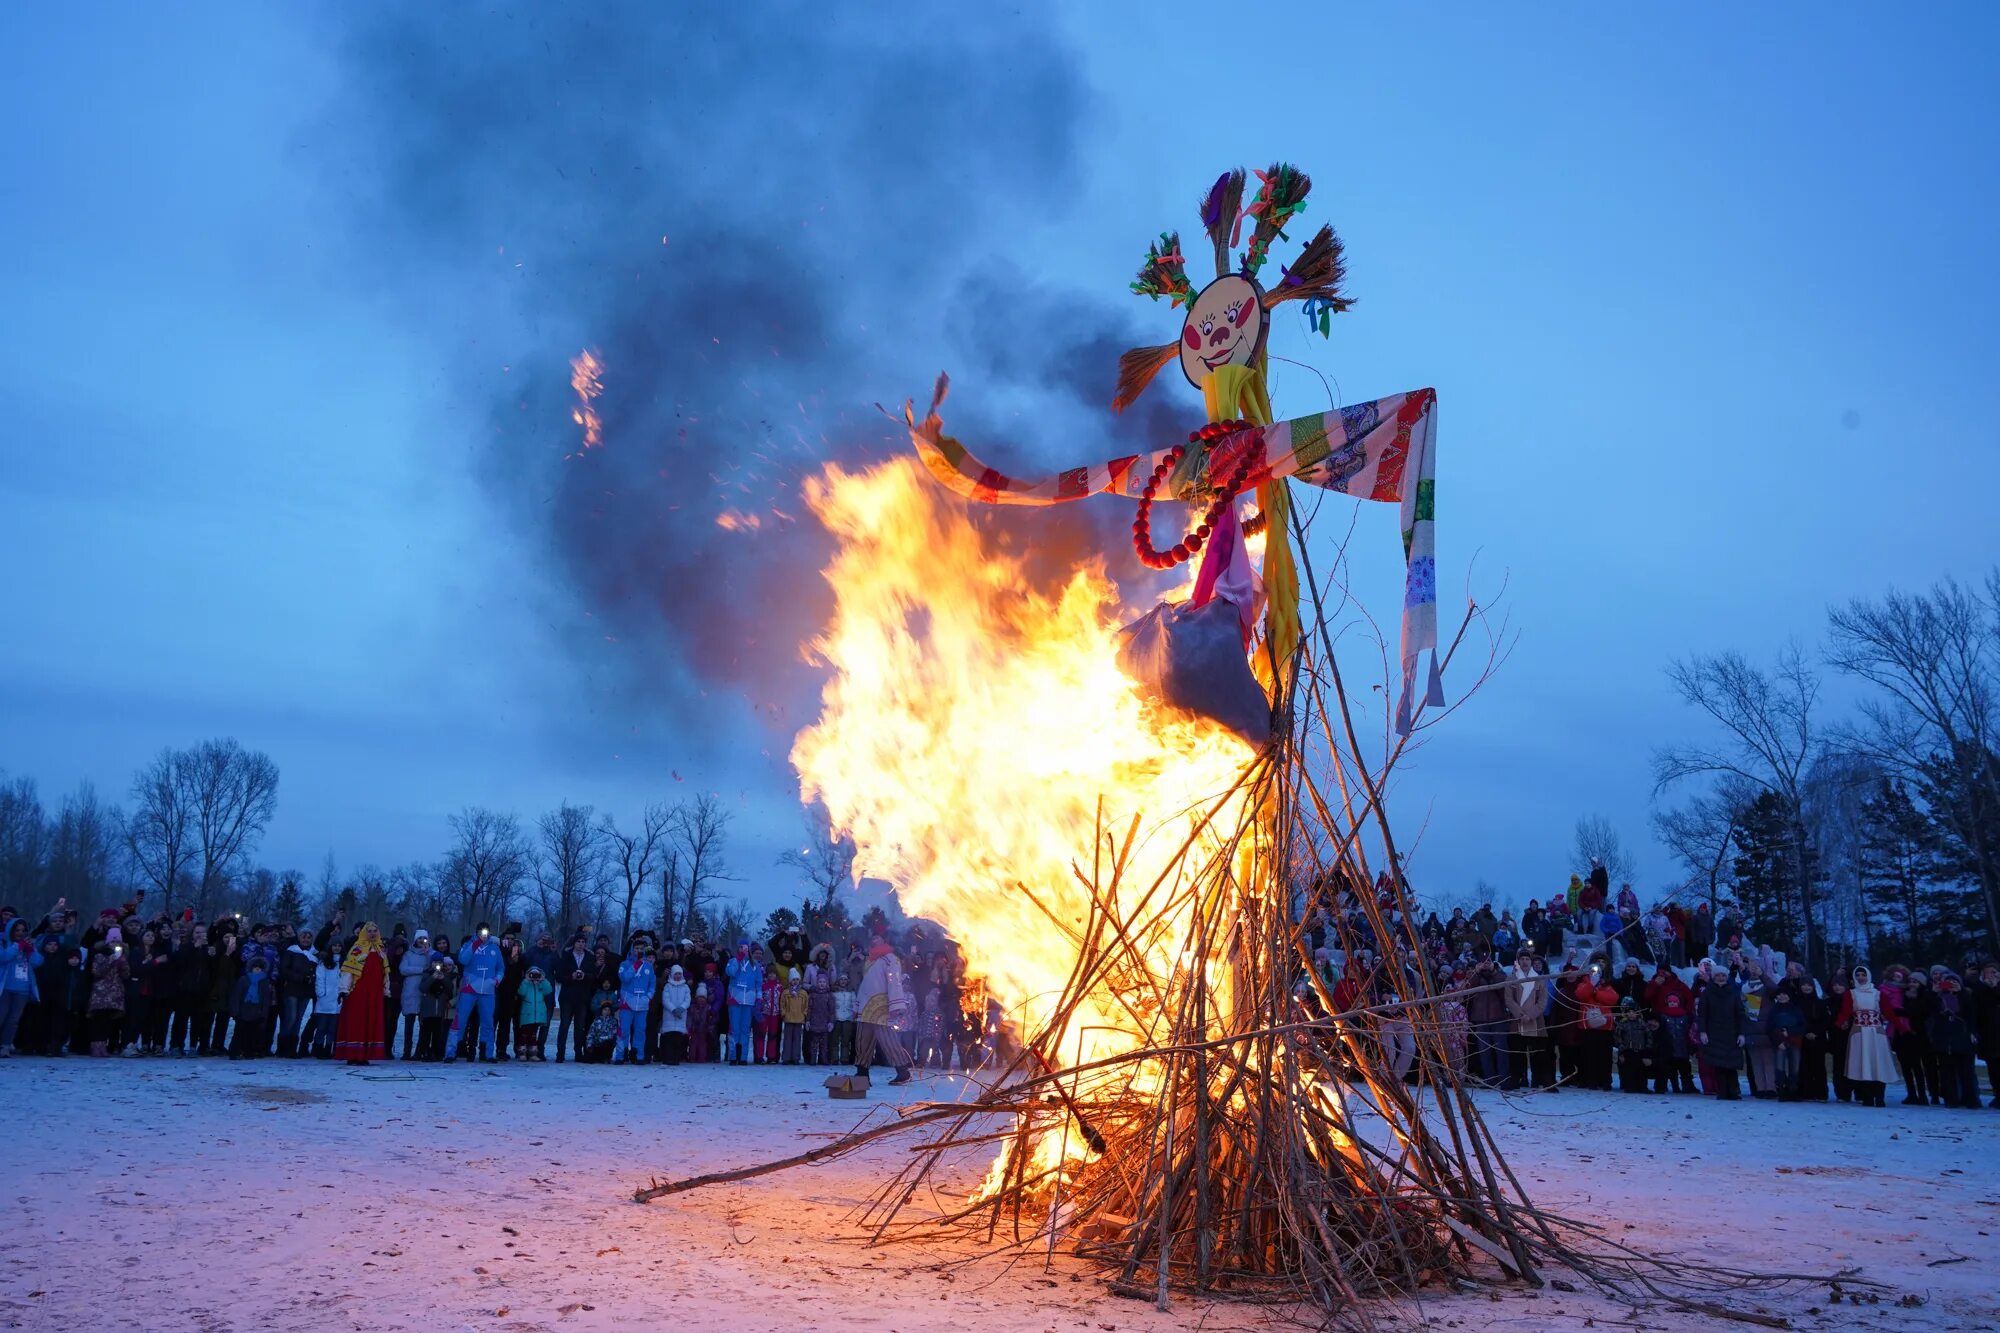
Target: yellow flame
x=971 y=725
x=586 y=376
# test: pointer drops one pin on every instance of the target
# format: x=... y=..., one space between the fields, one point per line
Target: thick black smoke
x=763 y=219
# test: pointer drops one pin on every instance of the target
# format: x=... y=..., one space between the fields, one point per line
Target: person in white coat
x=675 y=998
x=328 y=981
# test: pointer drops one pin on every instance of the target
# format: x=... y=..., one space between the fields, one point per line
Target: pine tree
x=1899 y=865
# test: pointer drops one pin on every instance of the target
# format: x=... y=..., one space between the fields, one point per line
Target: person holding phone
x=481 y=965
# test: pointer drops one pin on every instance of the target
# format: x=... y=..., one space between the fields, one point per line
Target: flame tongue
x=974 y=728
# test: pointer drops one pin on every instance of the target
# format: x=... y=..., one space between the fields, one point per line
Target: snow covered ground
x=210 y=1195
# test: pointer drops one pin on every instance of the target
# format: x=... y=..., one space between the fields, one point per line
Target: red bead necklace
x=1225 y=491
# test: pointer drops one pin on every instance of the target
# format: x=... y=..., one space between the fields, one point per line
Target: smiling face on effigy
x=1225 y=326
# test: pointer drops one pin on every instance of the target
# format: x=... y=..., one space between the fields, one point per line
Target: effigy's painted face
x=1225 y=327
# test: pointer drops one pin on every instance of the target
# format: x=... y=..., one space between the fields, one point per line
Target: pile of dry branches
x=1248 y=1139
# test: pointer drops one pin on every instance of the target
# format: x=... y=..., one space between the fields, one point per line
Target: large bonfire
x=1179 y=1098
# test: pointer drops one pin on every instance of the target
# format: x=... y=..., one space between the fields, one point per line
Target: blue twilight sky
x=1707 y=298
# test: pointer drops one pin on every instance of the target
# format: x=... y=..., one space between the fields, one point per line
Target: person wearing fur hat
x=1862 y=1017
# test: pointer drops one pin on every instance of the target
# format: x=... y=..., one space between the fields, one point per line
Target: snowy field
x=217 y=1196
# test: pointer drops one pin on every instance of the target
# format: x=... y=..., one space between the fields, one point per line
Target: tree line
x=194 y=818
x=1868 y=832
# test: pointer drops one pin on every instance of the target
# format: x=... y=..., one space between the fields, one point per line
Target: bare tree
x=488 y=859
x=1701 y=833
x=700 y=830
x=1769 y=740
x=230 y=794
x=637 y=854
x=160 y=834
x=568 y=866
x=1597 y=840
x=826 y=862
x=86 y=848
x=24 y=836
x=1935 y=658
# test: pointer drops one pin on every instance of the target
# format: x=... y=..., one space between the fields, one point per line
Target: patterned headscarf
x=367 y=942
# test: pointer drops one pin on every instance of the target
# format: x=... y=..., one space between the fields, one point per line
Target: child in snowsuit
x=770 y=1018
x=1634 y=1039
x=819 y=1018
x=793 y=1007
x=602 y=1038
x=250 y=1004
x=532 y=1026
x=840 y=1043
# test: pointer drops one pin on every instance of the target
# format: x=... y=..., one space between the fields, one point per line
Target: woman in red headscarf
x=365 y=974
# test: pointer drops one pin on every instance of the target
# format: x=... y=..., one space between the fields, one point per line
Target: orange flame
x=972 y=725
x=586 y=376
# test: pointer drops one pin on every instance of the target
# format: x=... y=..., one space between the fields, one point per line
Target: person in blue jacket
x=746 y=981
x=636 y=983
x=481 y=965
x=18 y=960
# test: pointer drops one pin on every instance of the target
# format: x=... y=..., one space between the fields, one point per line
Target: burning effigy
x=1124 y=822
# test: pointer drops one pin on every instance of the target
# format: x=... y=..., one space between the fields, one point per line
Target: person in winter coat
x=1865 y=1019
x=1785 y=1033
x=1700 y=932
x=437 y=1000
x=1759 y=1052
x=19 y=961
x=507 y=996
x=1527 y=1001
x=701 y=1020
x=537 y=1001
x=1596 y=1004
x=190 y=965
x=1486 y=1014
x=793 y=1007
x=295 y=985
x=676 y=1008
x=481 y=966
x=225 y=966
x=1721 y=1030
x=602 y=1036
x=1672 y=1005
x=1984 y=997
x=840 y=1042
x=410 y=972
x=819 y=1017
x=576 y=979
x=328 y=984
x=1912 y=1043
x=636 y=984
x=880 y=1003
x=745 y=976
x=252 y=1005
x=770 y=1015
x=1952 y=1040
x=1633 y=1036
x=108 y=974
